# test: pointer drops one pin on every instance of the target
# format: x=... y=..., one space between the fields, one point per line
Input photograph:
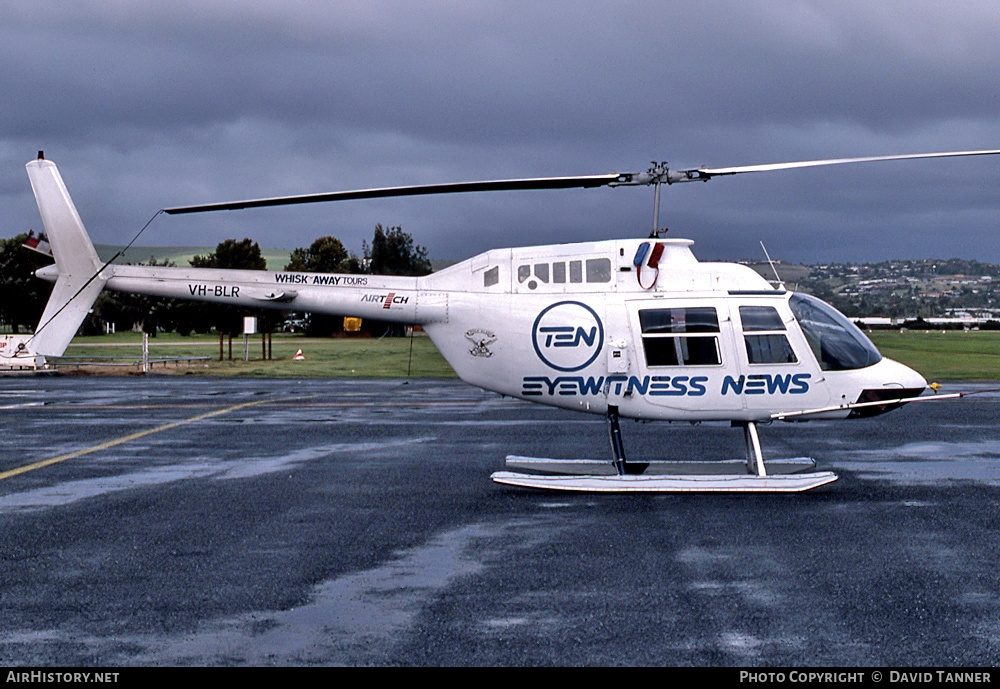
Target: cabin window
x=599 y=270
x=757 y=318
x=769 y=349
x=703 y=319
x=681 y=351
x=673 y=337
x=491 y=277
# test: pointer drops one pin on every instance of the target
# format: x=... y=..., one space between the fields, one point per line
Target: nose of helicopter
x=889 y=380
x=895 y=375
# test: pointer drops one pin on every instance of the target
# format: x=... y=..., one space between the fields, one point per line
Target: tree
x=394 y=253
x=22 y=295
x=236 y=255
x=325 y=255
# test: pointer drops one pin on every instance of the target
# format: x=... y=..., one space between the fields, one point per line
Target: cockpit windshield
x=837 y=343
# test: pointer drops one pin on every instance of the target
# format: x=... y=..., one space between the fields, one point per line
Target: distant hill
x=181 y=256
x=790 y=273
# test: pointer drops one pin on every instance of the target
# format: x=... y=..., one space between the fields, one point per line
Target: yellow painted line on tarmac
x=134 y=436
x=274 y=403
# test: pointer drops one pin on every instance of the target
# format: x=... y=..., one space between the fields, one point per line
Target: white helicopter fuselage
x=637 y=325
x=588 y=326
x=632 y=328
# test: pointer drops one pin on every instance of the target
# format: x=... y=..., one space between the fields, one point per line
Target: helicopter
x=627 y=329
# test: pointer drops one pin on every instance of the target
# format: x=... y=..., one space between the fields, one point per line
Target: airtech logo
x=567 y=336
x=387 y=300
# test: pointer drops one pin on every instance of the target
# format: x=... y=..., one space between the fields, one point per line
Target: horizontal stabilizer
x=39 y=244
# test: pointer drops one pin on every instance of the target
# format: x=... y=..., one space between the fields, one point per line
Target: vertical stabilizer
x=78 y=265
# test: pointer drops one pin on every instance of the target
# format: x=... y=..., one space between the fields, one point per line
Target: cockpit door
x=778 y=370
x=684 y=349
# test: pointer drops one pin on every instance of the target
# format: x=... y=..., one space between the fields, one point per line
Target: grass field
x=947 y=355
x=323 y=358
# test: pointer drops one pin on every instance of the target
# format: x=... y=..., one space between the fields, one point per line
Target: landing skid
x=703 y=483
x=750 y=475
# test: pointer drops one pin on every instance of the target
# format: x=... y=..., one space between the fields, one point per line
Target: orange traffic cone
x=298 y=356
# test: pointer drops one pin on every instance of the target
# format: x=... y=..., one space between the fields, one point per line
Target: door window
x=765 y=345
x=680 y=336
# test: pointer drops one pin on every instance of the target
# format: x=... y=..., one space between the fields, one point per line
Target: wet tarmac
x=180 y=521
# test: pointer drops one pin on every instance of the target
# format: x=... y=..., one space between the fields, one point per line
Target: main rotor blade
x=655 y=175
x=419 y=190
x=712 y=172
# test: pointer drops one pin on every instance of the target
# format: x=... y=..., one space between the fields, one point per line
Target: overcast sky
x=146 y=105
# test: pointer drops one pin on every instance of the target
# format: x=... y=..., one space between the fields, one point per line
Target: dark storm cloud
x=144 y=107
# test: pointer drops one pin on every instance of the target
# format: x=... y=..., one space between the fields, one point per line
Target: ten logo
x=568 y=336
